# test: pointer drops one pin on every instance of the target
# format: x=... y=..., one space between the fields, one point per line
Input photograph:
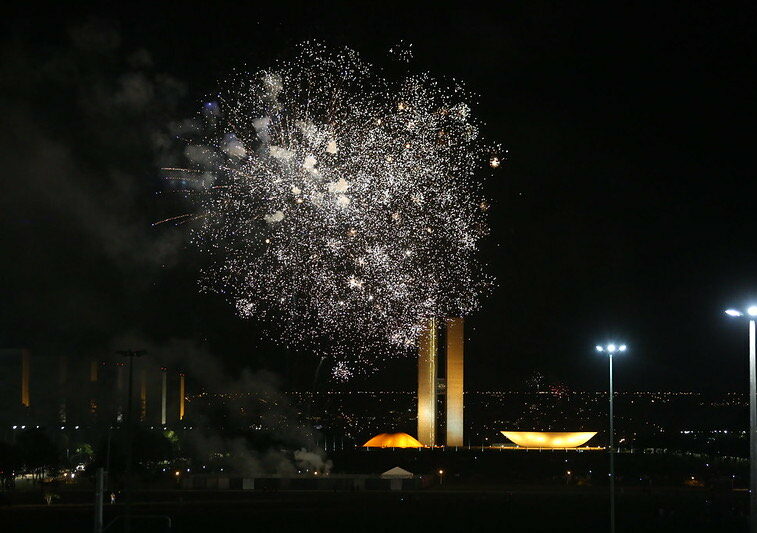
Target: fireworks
x=345 y=206
x=341 y=371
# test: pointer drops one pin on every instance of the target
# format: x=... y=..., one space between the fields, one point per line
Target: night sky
x=625 y=210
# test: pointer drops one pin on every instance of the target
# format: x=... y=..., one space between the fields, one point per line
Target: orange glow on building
x=393 y=440
x=549 y=439
x=454 y=389
x=26 y=357
x=181 y=396
x=427 y=384
x=163 y=378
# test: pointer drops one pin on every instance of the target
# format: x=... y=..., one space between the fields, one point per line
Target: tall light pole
x=752 y=313
x=610 y=349
x=131 y=354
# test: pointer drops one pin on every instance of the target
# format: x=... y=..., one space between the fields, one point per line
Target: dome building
x=549 y=439
x=393 y=440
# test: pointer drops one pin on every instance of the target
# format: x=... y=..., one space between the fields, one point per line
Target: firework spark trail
x=172 y=219
x=345 y=205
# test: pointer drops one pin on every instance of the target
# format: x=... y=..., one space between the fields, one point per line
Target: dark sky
x=624 y=212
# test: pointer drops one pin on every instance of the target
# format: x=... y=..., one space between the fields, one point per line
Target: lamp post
x=131 y=354
x=752 y=313
x=610 y=349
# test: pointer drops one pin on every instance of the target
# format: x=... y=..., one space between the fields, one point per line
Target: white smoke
x=339 y=186
x=276 y=216
x=312 y=461
x=280 y=153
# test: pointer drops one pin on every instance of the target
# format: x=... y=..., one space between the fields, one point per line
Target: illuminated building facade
x=454 y=385
x=430 y=386
x=181 y=396
x=393 y=440
x=549 y=439
x=26 y=357
x=427 y=357
x=163 y=387
x=60 y=390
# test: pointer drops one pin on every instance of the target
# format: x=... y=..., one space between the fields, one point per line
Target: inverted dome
x=549 y=439
x=393 y=440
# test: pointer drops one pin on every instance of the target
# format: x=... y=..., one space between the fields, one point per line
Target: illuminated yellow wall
x=427 y=385
x=455 y=357
x=181 y=396
x=393 y=440
x=163 y=397
x=549 y=439
x=26 y=357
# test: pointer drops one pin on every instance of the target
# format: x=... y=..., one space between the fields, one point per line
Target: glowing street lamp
x=751 y=312
x=610 y=349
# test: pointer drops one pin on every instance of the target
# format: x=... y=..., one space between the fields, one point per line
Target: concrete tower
x=93 y=370
x=120 y=393
x=142 y=395
x=454 y=388
x=26 y=357
x=164 y=372
x=62 y=388
x=427 y=358
x=430 y=386
x=94 y=376
x=181 y=396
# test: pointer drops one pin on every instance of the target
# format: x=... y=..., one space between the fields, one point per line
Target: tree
x=38 y=451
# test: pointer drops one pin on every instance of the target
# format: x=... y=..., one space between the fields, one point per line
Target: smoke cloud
x=263 y=432
x=86 y=125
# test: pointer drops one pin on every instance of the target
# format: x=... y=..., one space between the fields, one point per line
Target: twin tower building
x=440 y=373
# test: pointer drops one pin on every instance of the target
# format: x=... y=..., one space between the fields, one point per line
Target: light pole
x=752 y=313
x=610 y=350
x=131 y=354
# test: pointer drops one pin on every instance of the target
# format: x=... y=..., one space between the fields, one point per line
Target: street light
x=131 y=354
x=751 y=311
x=610 y=349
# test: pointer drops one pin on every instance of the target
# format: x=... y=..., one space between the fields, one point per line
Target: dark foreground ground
x=439 y=509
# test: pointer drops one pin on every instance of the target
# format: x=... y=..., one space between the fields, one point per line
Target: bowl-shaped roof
x=549 y=439
x=393 y=440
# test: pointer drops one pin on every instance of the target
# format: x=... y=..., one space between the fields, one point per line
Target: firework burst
x=341 y=205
